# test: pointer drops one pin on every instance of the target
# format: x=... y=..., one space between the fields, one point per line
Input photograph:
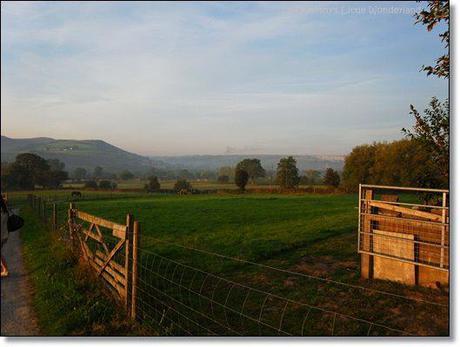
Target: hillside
x=75 y=153
x=91 y=153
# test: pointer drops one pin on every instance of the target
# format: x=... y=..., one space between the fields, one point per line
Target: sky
x=214 y=78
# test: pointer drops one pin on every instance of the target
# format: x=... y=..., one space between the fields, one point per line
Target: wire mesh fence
x=181 y=290
x=185 y=300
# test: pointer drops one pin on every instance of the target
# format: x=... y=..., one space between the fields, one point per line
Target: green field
x=312 y=236
x=138 y=184
x=253 y=226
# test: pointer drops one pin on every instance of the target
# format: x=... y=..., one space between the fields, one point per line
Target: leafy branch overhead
x=436 y=13
x=432 y=131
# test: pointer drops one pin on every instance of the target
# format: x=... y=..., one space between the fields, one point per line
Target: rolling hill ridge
x=76 y=153
x=91 y=153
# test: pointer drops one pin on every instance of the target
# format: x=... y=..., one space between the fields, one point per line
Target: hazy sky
x=185 y=78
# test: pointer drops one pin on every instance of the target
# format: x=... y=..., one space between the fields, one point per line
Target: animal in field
x=76 y=194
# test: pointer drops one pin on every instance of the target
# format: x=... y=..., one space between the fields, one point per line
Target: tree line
x=30 y=170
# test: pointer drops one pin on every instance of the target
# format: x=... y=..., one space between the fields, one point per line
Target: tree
x=56 y=177
x=126 y=175
x=29 y=170
x=311 y=177
x=399 y=163
x=223 y=179
x=358 y=167
x=253 y=167
x=227 y=171
x=5 y=176
x=331 y=178
x=56 y=164
x=91 y=184
x=287 y=174
x=35 y=166
x=437 y=13
x=106 y=184
x=432 y=132
x=405 y=163
x=182 y=185
x=241 y=178
x=79 y=173
x=153 y=184
x=98 y=172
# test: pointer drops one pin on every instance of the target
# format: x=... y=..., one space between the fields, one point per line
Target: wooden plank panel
x=95 y=237
x=117 y=276
x=405 y=210
x=101 y=221
x=112 y=254
x=114 y=264
x=121 y=234
x=109 y=279
x=392 y=269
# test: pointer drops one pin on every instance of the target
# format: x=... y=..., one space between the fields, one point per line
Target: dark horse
x=76 y=194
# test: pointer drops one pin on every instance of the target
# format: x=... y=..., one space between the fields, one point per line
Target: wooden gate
x=404 y=234
x=111 y=250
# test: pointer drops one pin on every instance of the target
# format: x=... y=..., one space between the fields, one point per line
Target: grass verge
x=67 y=299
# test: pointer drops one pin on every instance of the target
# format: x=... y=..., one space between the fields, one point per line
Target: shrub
x=153 y=185
x=91 y=184
x=241 y=178
x=105 y=184
x=126 y=175
x=223 y=179
x=331 y=178
x=287 y=174
x=182 y=185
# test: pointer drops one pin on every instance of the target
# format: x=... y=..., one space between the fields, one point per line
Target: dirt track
x=18 y=318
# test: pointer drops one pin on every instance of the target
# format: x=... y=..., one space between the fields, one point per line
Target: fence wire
x=178 y=298
x=184 y=300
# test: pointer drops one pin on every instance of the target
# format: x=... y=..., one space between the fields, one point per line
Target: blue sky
x=188 y=78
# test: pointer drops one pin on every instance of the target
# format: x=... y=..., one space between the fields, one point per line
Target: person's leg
x=4 y=267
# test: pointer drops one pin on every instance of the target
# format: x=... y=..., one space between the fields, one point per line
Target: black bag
x=14 y=222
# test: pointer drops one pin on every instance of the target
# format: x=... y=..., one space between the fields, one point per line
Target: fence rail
x=110 y=254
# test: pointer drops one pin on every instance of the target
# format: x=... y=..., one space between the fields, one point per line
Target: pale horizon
x=184 y=79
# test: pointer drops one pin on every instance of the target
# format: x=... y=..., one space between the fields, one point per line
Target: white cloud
x=181 y=79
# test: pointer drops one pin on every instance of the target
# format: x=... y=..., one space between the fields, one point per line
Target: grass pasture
x=67 y=299
x=138 y=184
x=311 y=238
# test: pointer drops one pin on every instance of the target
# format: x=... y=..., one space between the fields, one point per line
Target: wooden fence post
x=70 y=221
x=443 y=230
x=128 y=260
x=367 y=260
x=135 y=255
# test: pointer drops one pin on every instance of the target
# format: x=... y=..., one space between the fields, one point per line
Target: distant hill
x=91 y=153
x=76 y=153
x=268 y=161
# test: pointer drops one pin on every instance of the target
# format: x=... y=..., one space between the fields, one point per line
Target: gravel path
x=18 y=318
